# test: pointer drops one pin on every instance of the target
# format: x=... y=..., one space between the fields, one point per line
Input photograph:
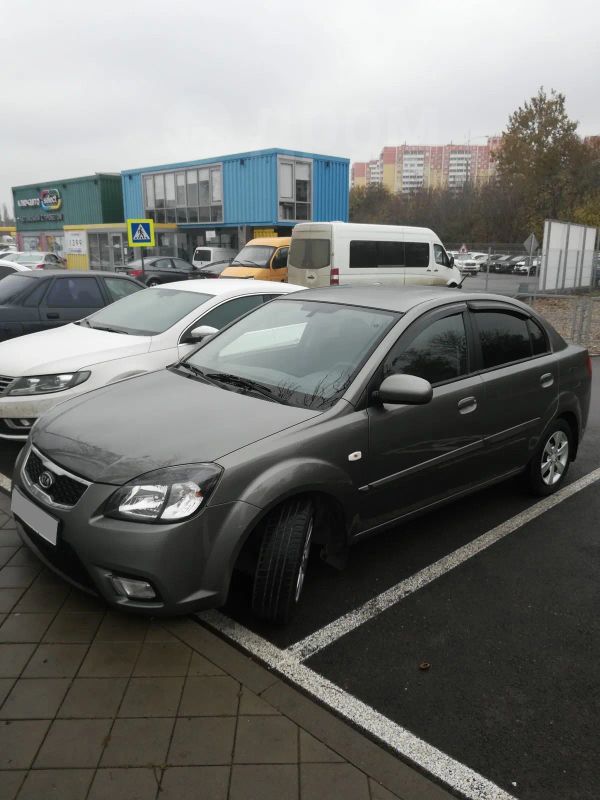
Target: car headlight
x=165 y=495
x=46 y=384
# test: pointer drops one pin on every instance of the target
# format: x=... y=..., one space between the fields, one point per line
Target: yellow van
x=264 y=259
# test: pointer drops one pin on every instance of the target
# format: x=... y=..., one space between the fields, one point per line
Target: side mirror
x=201 y=332
x=451 y=261
x=405 y=390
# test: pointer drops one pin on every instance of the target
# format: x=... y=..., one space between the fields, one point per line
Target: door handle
x=466 y=405
x=547 y=380
x=52 y=316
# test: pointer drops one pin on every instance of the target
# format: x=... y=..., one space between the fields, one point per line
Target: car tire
x=282 y=560
x=548 y=468
x=153 y=282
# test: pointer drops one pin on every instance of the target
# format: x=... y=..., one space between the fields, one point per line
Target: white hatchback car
x=143 y=332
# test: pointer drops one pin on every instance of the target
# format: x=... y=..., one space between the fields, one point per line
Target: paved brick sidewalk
x=95 y=704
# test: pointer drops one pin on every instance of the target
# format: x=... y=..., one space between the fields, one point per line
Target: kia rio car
x=321 y=417
x=139 y=333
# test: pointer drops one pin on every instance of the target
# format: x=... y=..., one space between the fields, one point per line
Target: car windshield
x=254 y=255
x=147 y=312
x=299 y=353
x=12 y=286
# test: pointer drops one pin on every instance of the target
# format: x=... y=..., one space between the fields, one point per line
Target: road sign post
x=140 y=233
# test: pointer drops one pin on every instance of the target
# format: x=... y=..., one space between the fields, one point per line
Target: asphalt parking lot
x=508 y=704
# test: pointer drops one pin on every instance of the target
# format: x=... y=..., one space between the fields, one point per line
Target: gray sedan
x=319 y=418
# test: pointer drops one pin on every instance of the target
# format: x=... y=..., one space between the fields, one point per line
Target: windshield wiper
x=82 y=321
x=106 y=328
x=247 y=261
x=243 y=383
x=195 y=371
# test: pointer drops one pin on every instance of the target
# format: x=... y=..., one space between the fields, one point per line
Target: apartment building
x=408 y=167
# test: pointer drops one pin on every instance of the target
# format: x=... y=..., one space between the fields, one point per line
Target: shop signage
x=76 y=242
x=47 y=199
x=260 y=233
x=41 y=218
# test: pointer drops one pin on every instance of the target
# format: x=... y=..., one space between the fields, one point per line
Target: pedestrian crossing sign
x=140 y=232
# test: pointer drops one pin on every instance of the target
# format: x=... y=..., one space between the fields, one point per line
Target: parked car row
x=472 y=263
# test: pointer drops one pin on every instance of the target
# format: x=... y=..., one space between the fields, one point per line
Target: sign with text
x=76 y=243
x=140 y=232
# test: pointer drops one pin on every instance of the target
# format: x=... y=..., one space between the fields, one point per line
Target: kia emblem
x=46 y=479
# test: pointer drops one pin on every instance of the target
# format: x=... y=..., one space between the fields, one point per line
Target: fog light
x=135 y=590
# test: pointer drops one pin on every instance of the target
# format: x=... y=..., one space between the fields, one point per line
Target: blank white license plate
x=42 y=523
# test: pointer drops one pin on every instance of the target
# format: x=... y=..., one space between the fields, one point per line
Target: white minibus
x=330 y=253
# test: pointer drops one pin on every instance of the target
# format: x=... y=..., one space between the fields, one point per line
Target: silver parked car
x=320 y=417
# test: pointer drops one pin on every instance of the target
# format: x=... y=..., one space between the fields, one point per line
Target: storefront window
x=195 y=195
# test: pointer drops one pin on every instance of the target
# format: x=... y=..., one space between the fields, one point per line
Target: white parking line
x=353 y=619
x=5 y=483
x=452 y=773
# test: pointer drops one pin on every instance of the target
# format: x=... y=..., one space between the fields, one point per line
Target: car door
x=520 y=379
x=162 y=270
x=419 y=455
x=69 y=298
x=181 y=269
x=279 y=261
x=219 y=316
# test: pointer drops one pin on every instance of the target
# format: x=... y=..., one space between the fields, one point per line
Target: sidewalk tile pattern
x=95 y=704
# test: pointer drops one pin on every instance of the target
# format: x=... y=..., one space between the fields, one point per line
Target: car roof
x=399 y=299
x=222 y=286
x=270 y=241
x=70 y=273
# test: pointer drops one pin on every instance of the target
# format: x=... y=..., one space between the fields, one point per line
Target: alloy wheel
x=555 y=458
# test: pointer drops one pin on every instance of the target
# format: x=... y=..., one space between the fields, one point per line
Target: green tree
x=542 y=158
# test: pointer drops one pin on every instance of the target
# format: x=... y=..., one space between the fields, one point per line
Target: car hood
x=241 y=272
x=161 y=419
x=67 y=348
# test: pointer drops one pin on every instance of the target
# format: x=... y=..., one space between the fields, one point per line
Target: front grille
x=60 y=556
x=65 y=490
x=5 y=383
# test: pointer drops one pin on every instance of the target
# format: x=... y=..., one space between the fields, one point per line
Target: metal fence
x=568 y=296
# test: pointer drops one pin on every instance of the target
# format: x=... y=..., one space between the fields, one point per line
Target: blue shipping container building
x=227 y=200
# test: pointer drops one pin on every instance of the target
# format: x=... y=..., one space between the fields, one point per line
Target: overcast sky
x=105 y=86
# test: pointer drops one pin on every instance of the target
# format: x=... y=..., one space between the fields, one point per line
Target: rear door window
x=504 y=338
x=539 y=340
x=75 y=293
x=202 y=255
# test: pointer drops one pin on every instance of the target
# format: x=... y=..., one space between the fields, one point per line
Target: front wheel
x=282 y=560
x=549 y=466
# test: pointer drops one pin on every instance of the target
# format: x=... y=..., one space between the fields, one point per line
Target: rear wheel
x=282 y=560
x=549 y=466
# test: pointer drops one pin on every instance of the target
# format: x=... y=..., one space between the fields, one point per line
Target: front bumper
x=30 y=407
x=188 y=564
